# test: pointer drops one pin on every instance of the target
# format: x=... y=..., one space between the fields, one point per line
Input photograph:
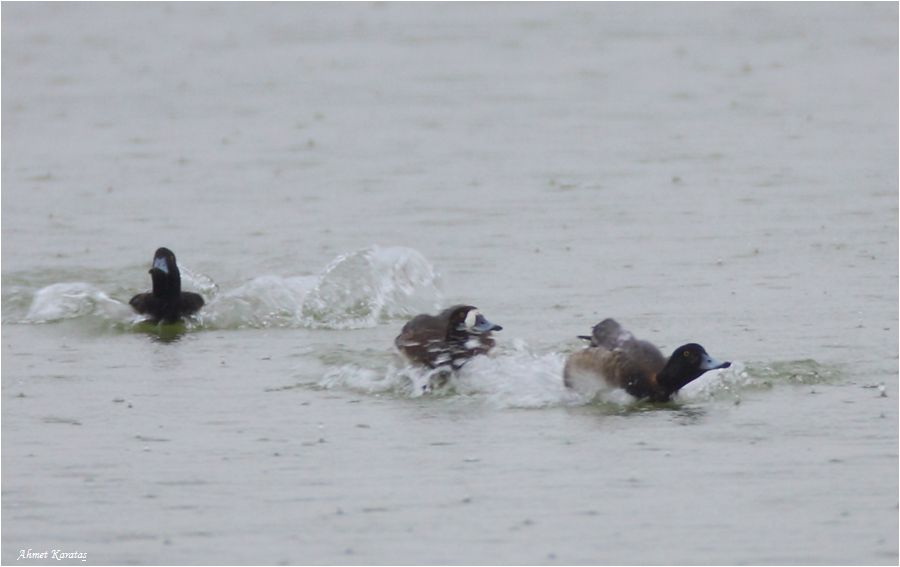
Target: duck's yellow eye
x=686 y=353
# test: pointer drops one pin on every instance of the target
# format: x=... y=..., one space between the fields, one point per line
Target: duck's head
x=686 y=364
x=165 y=274
x=467 y=319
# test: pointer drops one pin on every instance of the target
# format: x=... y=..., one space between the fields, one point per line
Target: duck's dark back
x=422 y=329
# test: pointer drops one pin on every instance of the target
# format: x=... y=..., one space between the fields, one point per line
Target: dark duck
x=448 y=339
x=166 y=303
x=620 y=360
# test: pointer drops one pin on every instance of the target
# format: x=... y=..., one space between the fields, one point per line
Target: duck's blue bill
x=159 y=263
x=710 y=363
x=482 y=325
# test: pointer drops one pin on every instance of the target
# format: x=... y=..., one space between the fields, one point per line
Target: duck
x=615 y=357
x=166 y=303
x=448 y=339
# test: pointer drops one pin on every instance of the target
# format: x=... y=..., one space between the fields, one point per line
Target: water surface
x=724 y=174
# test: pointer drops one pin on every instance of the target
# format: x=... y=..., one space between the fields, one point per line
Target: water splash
x=370 y=285
x=754 y=376
x=520 y=377
x=516 y=378
x=197 y=281
x=266 y=301
x=356 y=290
x=71 y=300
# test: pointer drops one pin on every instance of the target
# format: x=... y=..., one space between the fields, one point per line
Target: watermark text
x=54 y=554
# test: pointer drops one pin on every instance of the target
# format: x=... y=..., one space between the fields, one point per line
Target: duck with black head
x=448 y=339
x=166 y=303
x=616 y=358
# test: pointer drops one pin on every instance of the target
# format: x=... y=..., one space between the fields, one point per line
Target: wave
x=71 y=300
x=370 y=286
x=754 y=376
x=360 y=289
x=265 y=301
x=519 y=377
x=355 y=290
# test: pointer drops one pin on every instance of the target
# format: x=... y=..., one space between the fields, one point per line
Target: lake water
x=718 y=173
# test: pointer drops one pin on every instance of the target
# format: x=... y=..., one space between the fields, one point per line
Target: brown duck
x=620 y=360
x=449 y=338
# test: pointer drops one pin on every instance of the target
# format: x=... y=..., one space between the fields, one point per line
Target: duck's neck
x=166 y=286
x=673 y=377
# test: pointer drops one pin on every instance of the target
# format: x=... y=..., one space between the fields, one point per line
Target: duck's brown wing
x=421 y=339
x=189 y=303
x=143 y=303
x=642 y=355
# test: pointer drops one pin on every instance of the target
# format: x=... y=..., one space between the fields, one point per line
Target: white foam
x=360 y=289
x=266 y=301
x=403 y=381
x=69 y=300
x=719 y=383
x=512 y=379
x=197 y=281
x=356 y=290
